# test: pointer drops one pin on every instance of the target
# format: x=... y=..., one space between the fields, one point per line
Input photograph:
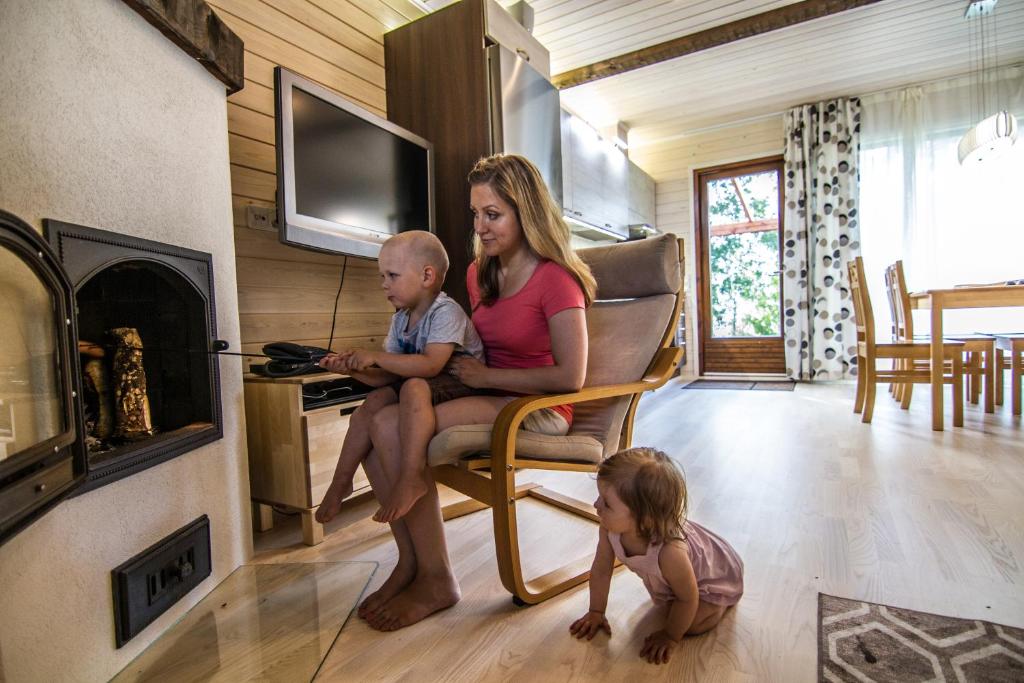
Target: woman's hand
x=658 y=647
x=589 y=625
x=469 y=371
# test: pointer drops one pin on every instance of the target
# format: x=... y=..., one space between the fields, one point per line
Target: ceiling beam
x=757 y=24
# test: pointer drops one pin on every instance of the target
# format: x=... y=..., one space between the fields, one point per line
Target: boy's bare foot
x=339 y=490
x=401 y=576
x=407 y=491
x=420 y=599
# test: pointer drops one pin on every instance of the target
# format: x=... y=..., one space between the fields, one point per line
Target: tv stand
x=294 y=428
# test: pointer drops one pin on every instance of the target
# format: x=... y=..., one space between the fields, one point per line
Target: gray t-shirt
x=444 y=323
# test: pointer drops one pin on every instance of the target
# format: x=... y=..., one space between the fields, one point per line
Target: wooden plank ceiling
x=876 y=47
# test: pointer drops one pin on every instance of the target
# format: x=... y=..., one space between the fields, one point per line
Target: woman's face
x=494 y=222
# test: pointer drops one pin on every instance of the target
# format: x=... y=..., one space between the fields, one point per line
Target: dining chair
x=979 y=349
x=1014 y=346
x=915 y=369
x=630 y=327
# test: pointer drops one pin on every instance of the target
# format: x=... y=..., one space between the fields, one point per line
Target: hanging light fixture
x=994 y=134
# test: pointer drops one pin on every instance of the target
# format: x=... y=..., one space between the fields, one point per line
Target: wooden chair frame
x=911 y=358
x=980 y=361
x=490 y=481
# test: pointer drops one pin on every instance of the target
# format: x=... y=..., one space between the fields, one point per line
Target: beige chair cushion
x=463 y=441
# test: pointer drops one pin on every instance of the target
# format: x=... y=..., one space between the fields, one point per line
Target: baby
x=427 y=330
x=642 y=508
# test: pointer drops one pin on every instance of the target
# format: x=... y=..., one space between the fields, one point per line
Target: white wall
x=672 y=162
x=104 y=122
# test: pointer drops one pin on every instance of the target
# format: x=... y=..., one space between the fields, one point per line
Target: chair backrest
x=891 y=296
x=633 y=316
x=903 y=319
x=862 y=311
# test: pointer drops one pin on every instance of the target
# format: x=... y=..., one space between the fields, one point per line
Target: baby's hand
x=658 y=647
x=589 y=624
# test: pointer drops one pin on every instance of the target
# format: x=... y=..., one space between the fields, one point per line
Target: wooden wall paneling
x=253 y=154
x=287 y=293
x=450 y=111
x=290 y=56
x=250 y=124
x=311 y=38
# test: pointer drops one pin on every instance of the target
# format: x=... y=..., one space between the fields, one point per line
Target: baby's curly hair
x=652 y=487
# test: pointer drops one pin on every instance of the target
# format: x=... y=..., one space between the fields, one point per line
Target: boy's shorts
x=443 y=387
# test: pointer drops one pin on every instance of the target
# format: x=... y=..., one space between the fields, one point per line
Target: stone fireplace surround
x=108 y=123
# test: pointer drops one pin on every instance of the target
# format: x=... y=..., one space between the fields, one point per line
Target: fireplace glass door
x=31 y=409
x=41 y=458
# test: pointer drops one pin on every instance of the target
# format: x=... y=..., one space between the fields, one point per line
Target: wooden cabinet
x=595 y=179
x=293 y=451
x=439 y=87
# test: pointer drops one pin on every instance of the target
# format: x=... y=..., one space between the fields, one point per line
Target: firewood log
x=131 y=404
x=95 y=383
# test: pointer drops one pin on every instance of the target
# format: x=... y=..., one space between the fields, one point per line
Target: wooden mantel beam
x=772 y=20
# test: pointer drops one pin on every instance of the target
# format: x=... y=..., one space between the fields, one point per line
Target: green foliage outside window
x=744 y=266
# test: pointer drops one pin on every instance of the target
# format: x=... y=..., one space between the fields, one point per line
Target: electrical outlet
x=149 y=583
x=261 y=217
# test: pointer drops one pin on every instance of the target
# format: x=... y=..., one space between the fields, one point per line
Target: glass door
x=41 y=455
x=740 y=260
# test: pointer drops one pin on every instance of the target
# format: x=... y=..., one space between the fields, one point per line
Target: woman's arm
x=568 y=329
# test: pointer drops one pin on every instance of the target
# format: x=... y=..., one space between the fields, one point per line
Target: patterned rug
x=740 y=385
x=863 y=641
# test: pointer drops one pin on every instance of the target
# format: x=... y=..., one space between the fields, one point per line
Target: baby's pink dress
x=718 y=568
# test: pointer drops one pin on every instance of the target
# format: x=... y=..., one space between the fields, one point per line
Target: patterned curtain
x=820 y=238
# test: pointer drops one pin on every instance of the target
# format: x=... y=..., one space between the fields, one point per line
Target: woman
x=528 y=291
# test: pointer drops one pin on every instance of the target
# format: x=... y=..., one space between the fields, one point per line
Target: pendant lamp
x=996 y=133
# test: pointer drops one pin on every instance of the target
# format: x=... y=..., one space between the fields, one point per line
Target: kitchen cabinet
x=595 y=179
x=641 y=197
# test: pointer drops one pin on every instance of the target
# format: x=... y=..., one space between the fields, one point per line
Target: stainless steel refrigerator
x=525 y=115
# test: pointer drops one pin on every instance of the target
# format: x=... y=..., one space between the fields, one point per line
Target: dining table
x=941 y=300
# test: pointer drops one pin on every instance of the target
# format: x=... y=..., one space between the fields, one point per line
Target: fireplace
x=145 y=323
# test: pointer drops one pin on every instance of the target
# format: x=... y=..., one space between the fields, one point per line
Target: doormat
x=864 y=641
x=735 y=385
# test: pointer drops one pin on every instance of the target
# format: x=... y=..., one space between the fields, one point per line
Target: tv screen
x=347 y=179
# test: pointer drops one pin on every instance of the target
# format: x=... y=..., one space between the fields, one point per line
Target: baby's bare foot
x=420 y=599
x=330 y=506
x=401 y=576
x=407 y=491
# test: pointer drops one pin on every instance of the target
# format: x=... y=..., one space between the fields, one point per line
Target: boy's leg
x=416 y=423
x=354 y=448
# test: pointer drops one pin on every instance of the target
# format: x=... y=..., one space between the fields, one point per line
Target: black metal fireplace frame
x=96 y=250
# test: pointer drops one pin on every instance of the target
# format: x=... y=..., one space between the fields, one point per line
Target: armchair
x=629 y=328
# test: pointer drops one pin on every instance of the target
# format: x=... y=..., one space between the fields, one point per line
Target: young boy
x=426 y=330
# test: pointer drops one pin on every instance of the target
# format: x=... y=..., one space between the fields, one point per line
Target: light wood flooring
x=812 y=499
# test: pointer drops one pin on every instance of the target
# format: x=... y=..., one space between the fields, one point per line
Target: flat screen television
x=347 y=179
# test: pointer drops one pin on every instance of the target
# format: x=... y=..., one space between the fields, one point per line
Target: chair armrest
x=506 y=425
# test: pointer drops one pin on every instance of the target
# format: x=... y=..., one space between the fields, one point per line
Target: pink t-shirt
x=514 y=329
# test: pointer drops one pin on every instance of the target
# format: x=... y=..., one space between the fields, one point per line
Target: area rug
x=740 y=385
x=864 y=641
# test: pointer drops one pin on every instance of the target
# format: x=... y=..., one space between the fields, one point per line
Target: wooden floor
x=812 y=499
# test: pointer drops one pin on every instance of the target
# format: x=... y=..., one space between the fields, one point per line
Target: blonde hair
x=424 y=248
x=519 y=183
x=652 y=487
